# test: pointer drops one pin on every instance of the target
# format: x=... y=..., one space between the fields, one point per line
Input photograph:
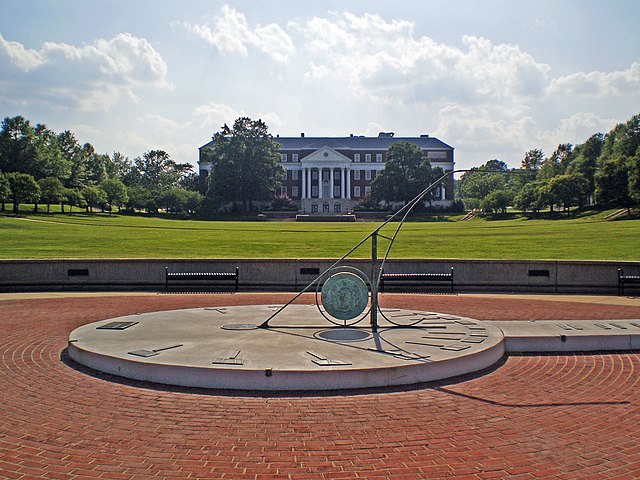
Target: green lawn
x=100 y=236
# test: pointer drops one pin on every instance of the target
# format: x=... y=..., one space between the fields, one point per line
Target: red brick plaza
x=547 y=416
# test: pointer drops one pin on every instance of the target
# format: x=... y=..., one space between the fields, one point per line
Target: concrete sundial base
x=223 y=348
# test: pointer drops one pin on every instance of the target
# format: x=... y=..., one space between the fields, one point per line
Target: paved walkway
x=551 y=416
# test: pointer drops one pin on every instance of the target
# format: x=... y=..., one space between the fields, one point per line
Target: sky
x=493 y=79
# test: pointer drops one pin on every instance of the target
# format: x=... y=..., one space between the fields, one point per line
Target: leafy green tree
x=51 y=191
x=139 y=198
x=406 y=173
x=532 y=160
x=498 y=200
x=5 y=191
x=17 y=146
x=50 y=160
x=118 y=166
x=586 y=158
x=569 y=189
x=481 y=181
x=532 y=196
x=95 y=197
x=245 y=164
x=634 y=178
x=115 y=192
x=612 y=184
x=156 y=171
x=74 y=199
x=24 y=188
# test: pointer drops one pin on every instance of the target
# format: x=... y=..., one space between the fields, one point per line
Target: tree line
x=40 y=166
x=602 y=171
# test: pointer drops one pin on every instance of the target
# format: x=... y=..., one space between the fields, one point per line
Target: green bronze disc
x=345 y=295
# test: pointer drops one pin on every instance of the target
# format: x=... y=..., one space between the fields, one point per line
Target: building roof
x=355 y=142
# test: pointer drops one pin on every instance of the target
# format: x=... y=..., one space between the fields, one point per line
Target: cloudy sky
x=491 y=78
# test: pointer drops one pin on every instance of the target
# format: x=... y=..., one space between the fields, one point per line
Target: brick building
x=331 y=174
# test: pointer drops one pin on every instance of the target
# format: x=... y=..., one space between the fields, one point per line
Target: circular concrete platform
x=223 y=348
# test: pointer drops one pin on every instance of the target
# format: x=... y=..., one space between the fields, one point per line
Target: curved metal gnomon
x=377 y=270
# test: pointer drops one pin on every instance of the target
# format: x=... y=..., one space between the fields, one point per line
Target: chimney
x=302 y=135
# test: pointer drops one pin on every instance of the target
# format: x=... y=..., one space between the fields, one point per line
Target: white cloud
x=383 y=60
x=15 y=53
x=598 y=84
x=231 y=33
x=91 y=77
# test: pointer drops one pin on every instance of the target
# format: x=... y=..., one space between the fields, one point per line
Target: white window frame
x=294 y=157
x=294 y=174
x=367 y=157
x=356 y=157
x=356 y=174
x=294 y=191
x=367 y=174
x=367 y=190
x=378 y=157
x=283 y=190
x=356 y=191
x=283 y=157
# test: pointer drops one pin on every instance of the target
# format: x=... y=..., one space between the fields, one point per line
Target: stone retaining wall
x=294 y=274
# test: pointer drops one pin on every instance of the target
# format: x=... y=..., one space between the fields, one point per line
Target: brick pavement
x=551 y=416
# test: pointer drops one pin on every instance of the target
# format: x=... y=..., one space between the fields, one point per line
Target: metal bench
x=416 y=279
x=626 y=279
x=201 y=279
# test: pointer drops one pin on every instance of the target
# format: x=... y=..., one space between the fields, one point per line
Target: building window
x=356 y=174
x=439 y=155
x=356 y=191
x=314 y=208
x=367 y=174
x=314 y=191
x=336 y=174
x=337 y=208
x=294 y=157
x=314 y=174
x=325 y=175
x=294 y=174
x=283 y=157
x=367 y=190
x=284 y=175
x=336 y=192
x=356 y=157
x=294 y=191
x=325 y=208
x=283 y=190
x=367 y=157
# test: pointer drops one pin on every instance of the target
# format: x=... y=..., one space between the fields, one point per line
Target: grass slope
x=101 y=236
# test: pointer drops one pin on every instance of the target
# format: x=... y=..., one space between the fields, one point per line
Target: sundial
x=293 y=346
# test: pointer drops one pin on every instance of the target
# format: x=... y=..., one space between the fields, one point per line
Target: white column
x=309 y=189
x=319 y=182
x=342 y=180
x=331 y=181
x=303 y=193
x=348 y=169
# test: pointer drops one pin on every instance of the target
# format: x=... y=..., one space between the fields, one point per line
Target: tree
x=481 y=181
x=156 y=171
x=498 y=200
x=570 y=190
x=139 y=198
x=17 y=146
x=94 y=196
x=74 y=198
x=612 y=184
x=532 y=196
x=5 y=190
x=586 y=158
x=51 y=191
x=23 y=187
x=634 y=178
x=245 y=164
x=406 y=173
x=532 y=160
x=115 y=192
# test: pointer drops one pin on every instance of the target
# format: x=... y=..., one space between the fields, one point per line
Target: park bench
x=626 y=279
x=414 y=279
x=201 y=279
